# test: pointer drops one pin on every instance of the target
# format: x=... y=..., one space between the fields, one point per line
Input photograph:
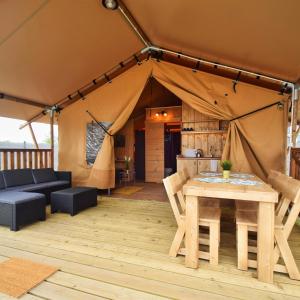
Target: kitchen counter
x=197 y=158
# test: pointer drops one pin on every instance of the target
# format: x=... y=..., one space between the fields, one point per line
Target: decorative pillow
x=17 y=177
x=43 y=175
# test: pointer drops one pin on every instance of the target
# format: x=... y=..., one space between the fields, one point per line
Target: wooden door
x=154 y=140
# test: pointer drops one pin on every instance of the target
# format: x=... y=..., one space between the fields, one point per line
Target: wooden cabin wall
x=154 y=140
x=154 y=154
x=208 y=134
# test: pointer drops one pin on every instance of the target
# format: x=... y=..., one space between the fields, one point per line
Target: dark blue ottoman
x=73 y=200
x=20 y=208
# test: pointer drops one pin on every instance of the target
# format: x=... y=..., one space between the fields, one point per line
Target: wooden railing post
x=24 y=158
x=52 y=137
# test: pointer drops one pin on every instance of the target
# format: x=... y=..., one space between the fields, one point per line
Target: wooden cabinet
x=190 y=165
x=195 y=166
x=203 y=165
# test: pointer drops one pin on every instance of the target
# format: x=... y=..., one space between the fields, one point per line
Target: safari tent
x=143 y=91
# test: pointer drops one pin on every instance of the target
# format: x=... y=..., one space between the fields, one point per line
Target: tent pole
x=33 y=136
x=91 y=86
x=7 y=97
x=292 y=130
x=294 y=116
x=214 y=64
x=52 y=137
x=133 y=24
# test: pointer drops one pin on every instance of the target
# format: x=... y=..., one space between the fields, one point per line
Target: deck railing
x=295 y=163
x=25 y=158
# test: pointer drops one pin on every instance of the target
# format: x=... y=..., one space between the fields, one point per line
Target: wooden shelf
x=204 y=132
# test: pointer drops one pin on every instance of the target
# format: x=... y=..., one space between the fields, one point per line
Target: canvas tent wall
x=49 y=49
x=255 y=143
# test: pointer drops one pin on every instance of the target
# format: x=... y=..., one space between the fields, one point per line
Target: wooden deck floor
x=119 y=250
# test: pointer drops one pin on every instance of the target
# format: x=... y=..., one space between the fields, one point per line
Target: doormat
x=128 y=190
x=18 y=276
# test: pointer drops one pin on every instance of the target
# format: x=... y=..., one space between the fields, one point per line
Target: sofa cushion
x=17 y=177
x=45 y=185
x=18 y=188
x=43 y=175
x=19 y=197
x=2 y=183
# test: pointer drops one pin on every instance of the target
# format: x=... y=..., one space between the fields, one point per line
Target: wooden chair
x=208 y=217
x=184 y=175
x=207 y=202
x=251 y=205
x=284 y=222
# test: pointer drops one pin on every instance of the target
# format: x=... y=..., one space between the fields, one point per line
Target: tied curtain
x=255 y=143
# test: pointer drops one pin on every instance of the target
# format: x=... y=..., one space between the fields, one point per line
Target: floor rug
x=18 y=276
x=128 y=190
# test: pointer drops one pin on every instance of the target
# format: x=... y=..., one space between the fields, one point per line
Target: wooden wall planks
x=154 y=146
x=208 y=134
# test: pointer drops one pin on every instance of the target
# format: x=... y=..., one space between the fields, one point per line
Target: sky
x=9 y=131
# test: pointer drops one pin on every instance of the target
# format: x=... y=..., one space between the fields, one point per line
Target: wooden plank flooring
x=119 y=250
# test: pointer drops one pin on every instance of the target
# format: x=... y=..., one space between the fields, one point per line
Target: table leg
x=265 y=242
x=192 y=232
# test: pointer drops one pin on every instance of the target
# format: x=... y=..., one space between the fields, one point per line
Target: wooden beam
x=33 y=137
x=178 y=60
x=95 y=84
x=52 y=137
x=182 y=61
x=7 y=97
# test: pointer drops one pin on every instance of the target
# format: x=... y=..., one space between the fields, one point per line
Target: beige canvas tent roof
x=49 y=49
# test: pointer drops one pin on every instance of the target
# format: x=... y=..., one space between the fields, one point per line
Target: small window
x=94 y=139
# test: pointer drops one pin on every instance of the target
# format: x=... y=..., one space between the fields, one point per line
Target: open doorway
x=139 y=155
x=152 y=121
x=172 y=147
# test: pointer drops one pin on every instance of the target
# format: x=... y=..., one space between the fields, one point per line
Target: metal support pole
x=133 y=24
x=215 y=64
x=294 y=115
x=33 y=136
x=292 y=129
x=52 y=137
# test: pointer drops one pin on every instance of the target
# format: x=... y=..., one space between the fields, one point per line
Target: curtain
x=113 y=102
x=255 y=143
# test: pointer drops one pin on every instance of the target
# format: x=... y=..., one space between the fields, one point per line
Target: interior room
x=163 y=136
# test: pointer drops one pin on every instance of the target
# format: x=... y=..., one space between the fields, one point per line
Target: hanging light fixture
x=161 y=113
x=110 y=4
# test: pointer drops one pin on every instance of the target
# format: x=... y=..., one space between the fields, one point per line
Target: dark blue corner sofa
x=24 y=194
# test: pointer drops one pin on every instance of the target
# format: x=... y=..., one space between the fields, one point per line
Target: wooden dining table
x=261 y=193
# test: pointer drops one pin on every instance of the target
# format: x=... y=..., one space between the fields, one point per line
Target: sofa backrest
x=2 y=184
x=17 y=177
x=43 y=175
